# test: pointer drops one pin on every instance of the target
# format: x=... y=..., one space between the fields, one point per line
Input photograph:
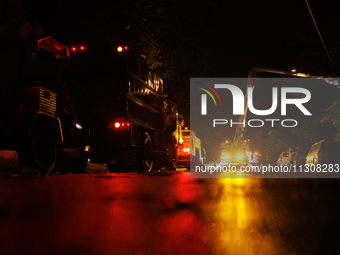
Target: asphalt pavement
x=167 y=213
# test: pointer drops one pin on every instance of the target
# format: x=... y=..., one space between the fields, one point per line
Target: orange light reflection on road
x=239 y=220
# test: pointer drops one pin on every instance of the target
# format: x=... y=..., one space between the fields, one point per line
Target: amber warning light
x=186 y=150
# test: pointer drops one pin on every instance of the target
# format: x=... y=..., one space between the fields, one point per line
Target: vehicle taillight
x=78 y=48
x=186 y=150
x=121 y=48
x=119 y=125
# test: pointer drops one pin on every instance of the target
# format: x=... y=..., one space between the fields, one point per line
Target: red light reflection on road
x=134 y=213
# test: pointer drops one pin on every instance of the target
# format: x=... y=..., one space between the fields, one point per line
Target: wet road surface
x=167 y=213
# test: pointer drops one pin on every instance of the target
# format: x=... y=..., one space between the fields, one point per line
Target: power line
x=316 y=26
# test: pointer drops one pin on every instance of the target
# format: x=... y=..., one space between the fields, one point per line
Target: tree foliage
x=11 y=13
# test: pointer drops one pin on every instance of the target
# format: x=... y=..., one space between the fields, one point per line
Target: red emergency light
x=119 y=125
x=122 y=48
x=77 y=48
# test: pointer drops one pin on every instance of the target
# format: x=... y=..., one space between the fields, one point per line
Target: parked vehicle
x=235 y=152
x=324 y=152
x=190 y=151
x=286 y=158
x=132 y=123
x=37 y=114
x=300 y=160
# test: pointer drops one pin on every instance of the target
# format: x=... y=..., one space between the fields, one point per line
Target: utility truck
x=37 y=114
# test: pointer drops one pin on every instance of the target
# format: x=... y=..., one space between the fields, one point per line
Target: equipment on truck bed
x=238 y=148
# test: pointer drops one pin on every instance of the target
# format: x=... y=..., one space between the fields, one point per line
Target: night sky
x=240 y=34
